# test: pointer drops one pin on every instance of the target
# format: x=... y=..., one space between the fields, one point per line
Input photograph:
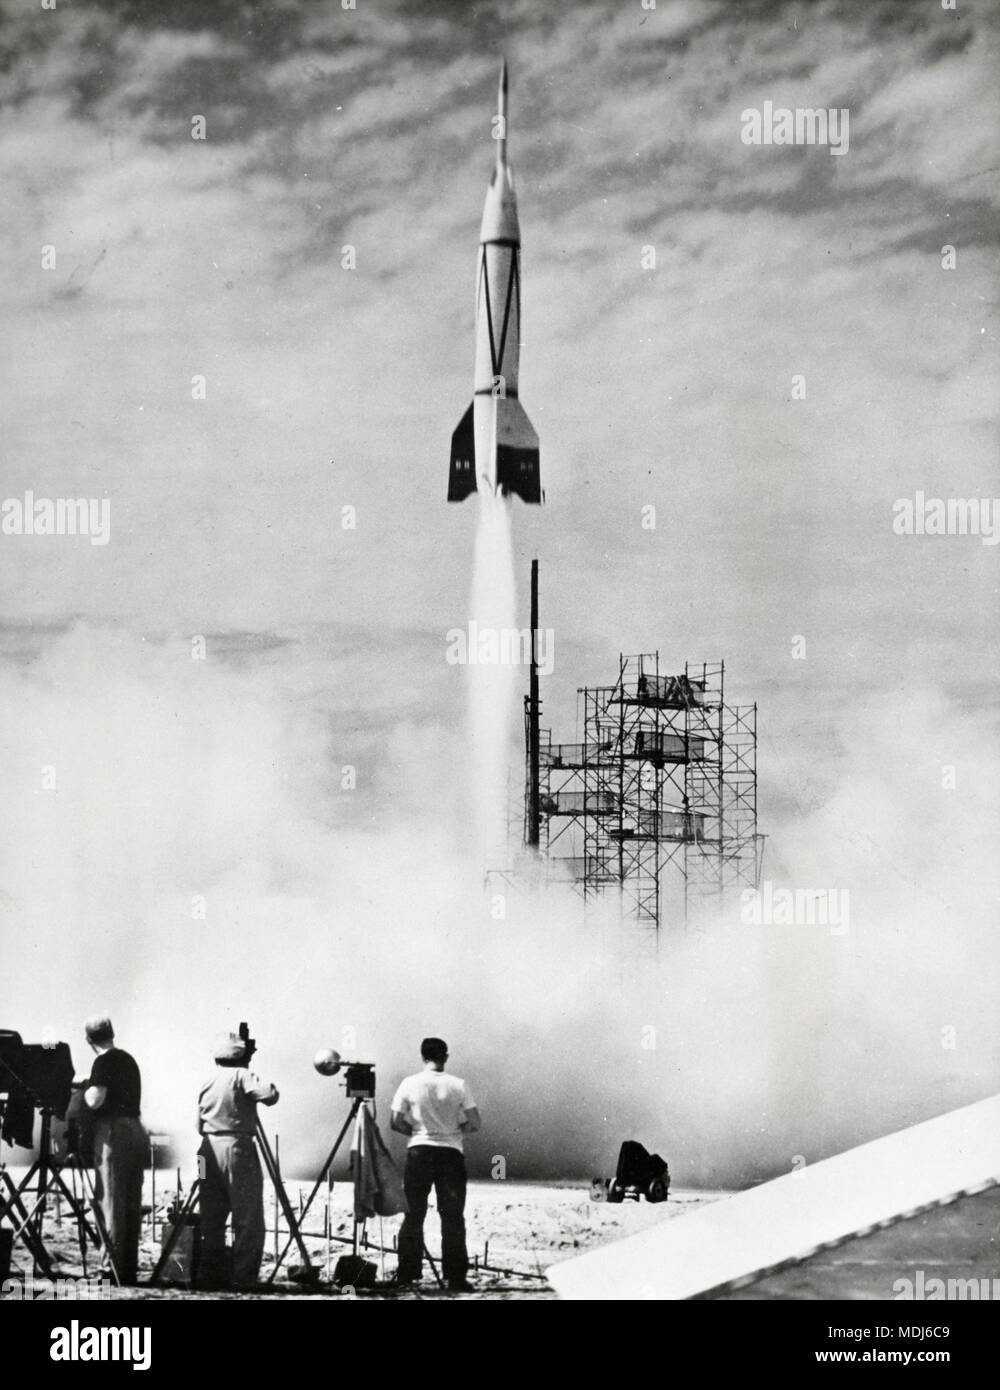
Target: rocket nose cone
x=500 y=133
x=502 y=110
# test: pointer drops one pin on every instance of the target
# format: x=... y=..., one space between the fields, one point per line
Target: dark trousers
x=231 y=1183
x=119 y=1159
x=428 y=1166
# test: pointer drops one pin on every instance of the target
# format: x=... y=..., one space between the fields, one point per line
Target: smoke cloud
x=177 y=846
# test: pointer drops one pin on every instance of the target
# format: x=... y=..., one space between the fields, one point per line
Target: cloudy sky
x=669 y=387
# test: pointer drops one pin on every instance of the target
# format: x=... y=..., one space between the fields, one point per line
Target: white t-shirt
x=435 y=1104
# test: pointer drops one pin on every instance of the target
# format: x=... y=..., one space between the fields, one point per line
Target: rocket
x=495 y=447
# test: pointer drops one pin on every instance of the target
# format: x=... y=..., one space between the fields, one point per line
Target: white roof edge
x=791 y=1216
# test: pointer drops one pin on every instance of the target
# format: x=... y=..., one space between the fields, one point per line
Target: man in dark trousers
x=229 y=1168
x=436 y=1111
x=113 y=1093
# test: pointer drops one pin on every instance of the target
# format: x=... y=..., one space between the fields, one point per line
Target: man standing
x=228 y=1165
x=114 y=1092
x=435 y=1111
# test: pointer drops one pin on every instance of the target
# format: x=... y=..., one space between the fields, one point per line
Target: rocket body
x=495 y=447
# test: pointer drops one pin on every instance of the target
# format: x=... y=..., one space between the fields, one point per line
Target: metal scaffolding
x=659 y=800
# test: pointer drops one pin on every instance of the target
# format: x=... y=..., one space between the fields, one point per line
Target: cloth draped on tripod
x=378 y=1187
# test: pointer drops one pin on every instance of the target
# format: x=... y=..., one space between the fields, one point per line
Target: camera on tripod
x=360 y=1080
x=359 y=1077
x=39 y=1076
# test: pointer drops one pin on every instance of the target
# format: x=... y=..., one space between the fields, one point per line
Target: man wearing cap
x=228 y=1165
x=436 y=1111
x=113 y=1093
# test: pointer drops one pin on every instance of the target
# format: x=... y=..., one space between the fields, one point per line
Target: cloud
x=330 y=127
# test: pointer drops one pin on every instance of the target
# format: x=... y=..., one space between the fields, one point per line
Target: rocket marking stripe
x=506 y=308
x=485 y=282
x=496 y=358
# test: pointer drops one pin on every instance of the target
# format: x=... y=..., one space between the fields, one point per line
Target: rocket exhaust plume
x=492 y=683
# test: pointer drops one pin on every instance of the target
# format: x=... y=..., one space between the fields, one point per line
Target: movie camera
x=33 y=1076
x=359 y=1077
x=39 y=1076
x=250 y=1043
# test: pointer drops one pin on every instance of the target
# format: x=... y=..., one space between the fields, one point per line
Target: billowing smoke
x=192 y=842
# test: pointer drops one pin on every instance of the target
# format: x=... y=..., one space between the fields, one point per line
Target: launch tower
x=659 y=800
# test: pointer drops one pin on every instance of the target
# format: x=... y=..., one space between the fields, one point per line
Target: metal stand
x=294 y=1223
x=357 y=1225
x=48 y=1176
x=176 y=1227
x=274 y=1173
x=295 y=1229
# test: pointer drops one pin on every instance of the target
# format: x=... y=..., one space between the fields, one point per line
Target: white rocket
x=495 y=446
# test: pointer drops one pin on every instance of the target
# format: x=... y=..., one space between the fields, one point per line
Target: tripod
x=352 y=1115
x=358 y=1102
x=47 y=1175
x=274 y=1173
x=177 y=1224
x=294 y=1224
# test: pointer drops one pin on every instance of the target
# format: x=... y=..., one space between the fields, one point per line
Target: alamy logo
x=506 y=646
x=921 y=1289
x=57 y=516
x=29 y=1289
x=952 y=516
x=803 y=126
x=796 y=907
x=76 y=1343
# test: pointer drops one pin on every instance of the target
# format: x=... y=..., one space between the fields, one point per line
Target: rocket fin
x=518 y=466
x=462 y=475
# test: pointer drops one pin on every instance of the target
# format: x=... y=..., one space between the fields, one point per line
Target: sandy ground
x=515 y=1230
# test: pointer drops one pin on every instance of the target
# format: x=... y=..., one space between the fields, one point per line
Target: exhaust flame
x=492 y=685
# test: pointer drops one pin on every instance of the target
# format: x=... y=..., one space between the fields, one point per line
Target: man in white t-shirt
x=435 y=1111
